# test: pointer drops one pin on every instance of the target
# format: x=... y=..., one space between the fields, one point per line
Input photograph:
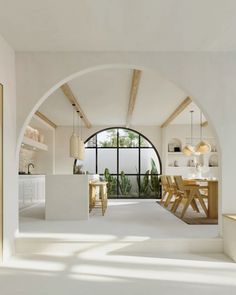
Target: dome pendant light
x=74 y=142
x=202 y=147
x=81 y=147
x=189 y=149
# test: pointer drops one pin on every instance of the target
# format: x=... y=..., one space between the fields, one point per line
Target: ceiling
x=104 y=97
x=119 y=25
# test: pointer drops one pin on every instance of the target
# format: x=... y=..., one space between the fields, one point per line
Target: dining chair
x=190 y=193
x=172 y=188
x=164 y=185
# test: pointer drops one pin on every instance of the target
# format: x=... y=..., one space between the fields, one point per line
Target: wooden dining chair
x=172 y=188
x=164 y=185
x=189 y=193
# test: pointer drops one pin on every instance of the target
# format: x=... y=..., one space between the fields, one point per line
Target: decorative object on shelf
x=176 y=164
x=192 y=163
x=41 y=138
x=177 y=149
x=77 y=169
x=213 y=161
x=203 y=146
x=74 y=141
x=171 y=147
x=189 y=149
x=174 y=145
x=32 y=133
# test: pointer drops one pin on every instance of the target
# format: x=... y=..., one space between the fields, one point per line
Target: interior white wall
x=10 y=204
x=45 y=160
x=64 y=164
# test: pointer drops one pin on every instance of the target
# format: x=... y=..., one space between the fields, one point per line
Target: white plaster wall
x=10 y=204
x=64 y=164
x=45 y=160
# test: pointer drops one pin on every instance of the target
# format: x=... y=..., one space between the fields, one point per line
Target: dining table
x=212 y=194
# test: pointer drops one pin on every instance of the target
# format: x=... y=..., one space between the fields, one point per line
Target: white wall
x=7 y=78
x=64 y=164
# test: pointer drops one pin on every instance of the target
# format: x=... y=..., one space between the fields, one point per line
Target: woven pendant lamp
x=203 y=147
x=74 y=142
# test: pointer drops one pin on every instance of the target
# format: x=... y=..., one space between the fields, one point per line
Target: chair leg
x=163 y=198
x=194 y=205
x=176 y=204
x=202 y=203
x=168 y=199
x=188 y=202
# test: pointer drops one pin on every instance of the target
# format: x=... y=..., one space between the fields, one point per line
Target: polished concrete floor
x=143 y=218
x=104 y=267
x=104 y=270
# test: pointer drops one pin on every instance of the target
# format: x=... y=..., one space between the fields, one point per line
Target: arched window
x=127 y=160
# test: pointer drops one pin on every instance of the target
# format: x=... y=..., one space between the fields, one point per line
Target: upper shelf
x=33 y=144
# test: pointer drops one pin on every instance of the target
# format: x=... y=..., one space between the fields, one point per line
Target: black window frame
x=139 y=147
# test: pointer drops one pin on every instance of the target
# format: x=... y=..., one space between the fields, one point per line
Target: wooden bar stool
x=100 y=202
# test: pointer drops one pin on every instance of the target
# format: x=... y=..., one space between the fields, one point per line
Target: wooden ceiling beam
x=133 y=95
x=177 y=111
x=72 y=99
x=45 y=119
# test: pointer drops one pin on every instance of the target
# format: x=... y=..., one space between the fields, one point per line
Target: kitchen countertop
x=31 y=175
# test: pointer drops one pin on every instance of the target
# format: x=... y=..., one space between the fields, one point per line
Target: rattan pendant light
x=189 y=149
x=203 y=147
x=74 y=141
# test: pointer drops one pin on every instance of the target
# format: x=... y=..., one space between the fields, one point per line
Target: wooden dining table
x=212 y=186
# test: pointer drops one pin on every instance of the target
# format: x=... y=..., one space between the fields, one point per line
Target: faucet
x=30 y=165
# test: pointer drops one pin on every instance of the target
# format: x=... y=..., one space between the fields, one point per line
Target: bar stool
x=101 y=202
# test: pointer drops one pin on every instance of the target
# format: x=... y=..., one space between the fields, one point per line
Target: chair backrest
x=164 y=182
x=179 y=182
x=170 y=181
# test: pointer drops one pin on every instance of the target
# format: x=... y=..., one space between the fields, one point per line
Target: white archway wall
x=207 y=77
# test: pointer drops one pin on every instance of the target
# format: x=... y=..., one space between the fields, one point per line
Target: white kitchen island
x=67 y=197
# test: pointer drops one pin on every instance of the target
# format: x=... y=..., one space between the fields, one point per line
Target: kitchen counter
x=67 y=197
x=30 y=175
x=31 y=189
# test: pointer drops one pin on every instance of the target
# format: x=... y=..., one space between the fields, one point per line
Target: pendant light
x=74 y=142
x=189 y=149
x=202 y=147
x=81 y=147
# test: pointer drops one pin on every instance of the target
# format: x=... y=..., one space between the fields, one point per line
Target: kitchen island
x=67 y=197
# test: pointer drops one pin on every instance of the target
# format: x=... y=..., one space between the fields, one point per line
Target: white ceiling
x=104 y=97
x=119 y=25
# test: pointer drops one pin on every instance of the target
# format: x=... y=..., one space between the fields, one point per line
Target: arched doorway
x=118 y=171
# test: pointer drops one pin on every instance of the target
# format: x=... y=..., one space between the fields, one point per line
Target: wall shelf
x=33 y=144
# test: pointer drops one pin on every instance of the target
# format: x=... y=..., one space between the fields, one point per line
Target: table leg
x=213 y=199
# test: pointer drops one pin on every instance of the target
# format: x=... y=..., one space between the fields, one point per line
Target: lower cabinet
x=31 y=190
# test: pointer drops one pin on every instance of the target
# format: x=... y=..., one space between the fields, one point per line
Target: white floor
x=141 y=218
x=104 y=271
x=103 y=267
